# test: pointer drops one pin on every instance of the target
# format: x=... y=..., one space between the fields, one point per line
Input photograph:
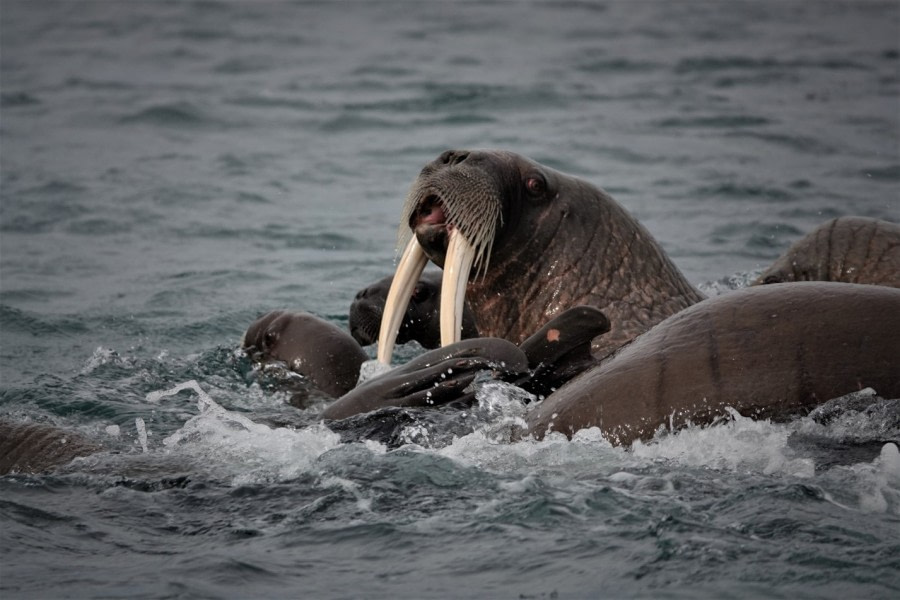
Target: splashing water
x=253 y=452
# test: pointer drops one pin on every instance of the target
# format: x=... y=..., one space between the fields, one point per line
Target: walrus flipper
x=561 y=349
x=436 y=377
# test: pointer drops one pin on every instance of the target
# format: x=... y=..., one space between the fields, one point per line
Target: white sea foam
x=876 y=484
x=141 y=433
x=99 y=357
x=250 y=452
x=371 y=369
x=738 y=444
x=729 y=283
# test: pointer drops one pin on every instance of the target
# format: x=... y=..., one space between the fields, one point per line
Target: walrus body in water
x=36 y=448
x=767 y=352
x=848 y=249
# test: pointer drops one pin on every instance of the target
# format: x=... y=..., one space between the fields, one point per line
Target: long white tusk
x=457 y=265
x=410 y=267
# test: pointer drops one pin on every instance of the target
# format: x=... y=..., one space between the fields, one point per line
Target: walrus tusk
x=410 y=267
x=457 y=265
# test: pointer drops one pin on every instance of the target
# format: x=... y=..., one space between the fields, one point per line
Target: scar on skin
x=553 y=335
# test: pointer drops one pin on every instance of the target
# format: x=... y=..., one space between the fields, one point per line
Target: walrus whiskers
x=471 y=227
x=470 y=205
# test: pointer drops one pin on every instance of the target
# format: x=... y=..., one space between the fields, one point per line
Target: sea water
x=171 y=170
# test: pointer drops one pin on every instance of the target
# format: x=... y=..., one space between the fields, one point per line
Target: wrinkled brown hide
x=767 y=351
x=848 y=249
x=33 y=448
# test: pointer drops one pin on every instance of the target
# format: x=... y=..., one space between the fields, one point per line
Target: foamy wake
x=252 y=452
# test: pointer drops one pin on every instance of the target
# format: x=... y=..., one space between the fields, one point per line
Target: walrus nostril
x=453 y=157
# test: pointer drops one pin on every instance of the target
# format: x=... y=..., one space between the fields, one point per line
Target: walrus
x=34 y=448
x=313 y=347
x=421 y=323
x=767 y=352
x=848 y=249
x=521 y=243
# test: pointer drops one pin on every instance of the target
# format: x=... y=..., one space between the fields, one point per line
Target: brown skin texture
x=33 y=448
x=848 y=249
x=767 y=351
x=323 y=352
x=559 y=242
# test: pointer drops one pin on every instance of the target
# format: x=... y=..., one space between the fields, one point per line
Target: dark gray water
x=170 y=170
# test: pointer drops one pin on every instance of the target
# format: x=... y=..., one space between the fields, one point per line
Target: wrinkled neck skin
x=583 y=248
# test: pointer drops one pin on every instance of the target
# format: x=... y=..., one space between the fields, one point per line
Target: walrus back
x=31 y=448
x=767 y=352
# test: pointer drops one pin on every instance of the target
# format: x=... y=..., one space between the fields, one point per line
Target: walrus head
x=455 y=212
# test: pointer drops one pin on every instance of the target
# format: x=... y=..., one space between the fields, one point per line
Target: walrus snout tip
x=453 y=157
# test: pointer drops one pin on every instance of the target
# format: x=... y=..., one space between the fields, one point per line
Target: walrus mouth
x=464 y=212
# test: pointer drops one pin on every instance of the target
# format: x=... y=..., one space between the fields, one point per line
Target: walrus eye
x=536 y=185
x=269 y=340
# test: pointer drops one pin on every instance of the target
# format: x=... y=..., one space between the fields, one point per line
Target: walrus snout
x=453 y=212
x=453 y=157
x=428 y=221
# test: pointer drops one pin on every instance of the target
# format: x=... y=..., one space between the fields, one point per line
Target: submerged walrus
x=308 y=345
x=421 y=323
x=848 y=249
x=521 y=243
x=36 y=448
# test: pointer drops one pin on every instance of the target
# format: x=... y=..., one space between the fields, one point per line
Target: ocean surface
x=171 y=170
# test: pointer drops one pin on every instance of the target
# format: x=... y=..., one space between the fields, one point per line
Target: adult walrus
x=521 y=243
x=308 y=345
x=848 y=249
x=421 y=323
x=766 y=351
